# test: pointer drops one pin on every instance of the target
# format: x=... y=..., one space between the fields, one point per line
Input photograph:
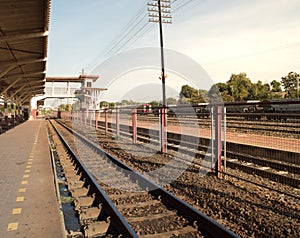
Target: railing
x=49 y=91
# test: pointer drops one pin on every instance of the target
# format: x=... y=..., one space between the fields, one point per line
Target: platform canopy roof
x=24 y=26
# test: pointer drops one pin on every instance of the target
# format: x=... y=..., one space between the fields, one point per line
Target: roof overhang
x=24 y=27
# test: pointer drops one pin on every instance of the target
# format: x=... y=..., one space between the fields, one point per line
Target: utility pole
x=160 y=12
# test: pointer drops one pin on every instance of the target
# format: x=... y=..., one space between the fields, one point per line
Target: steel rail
x=117 y=218
x=290 y=165
x=205 y=224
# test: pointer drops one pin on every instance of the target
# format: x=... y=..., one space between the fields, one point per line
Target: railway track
x=278 y=128
x=113 y=192
x=283 y=167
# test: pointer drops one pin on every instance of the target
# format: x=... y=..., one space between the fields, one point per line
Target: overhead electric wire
x=133 y=36
x=128 y=28
x=133 y=32
x=141 y=33
x=134 y=29
x=184 y=3
x=177 y=7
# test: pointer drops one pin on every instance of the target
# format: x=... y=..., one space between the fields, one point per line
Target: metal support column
x=85 y=116
x=12 y=114
x=134 y=125
x=6 y=112
x=212 y=133
x=91 y=115
x=224 y=139
x=218 y=140
x=163 y=131
x=96 y=119
x=52 y=89
x=106 y=120
x=117 y=122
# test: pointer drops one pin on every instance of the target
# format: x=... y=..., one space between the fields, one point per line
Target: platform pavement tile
x=18 y=161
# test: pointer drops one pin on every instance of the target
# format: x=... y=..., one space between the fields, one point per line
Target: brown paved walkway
x=28 y=203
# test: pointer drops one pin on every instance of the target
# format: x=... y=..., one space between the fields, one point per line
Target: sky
x=260 y=38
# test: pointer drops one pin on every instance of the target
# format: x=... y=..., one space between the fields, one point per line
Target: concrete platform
x=29 y=207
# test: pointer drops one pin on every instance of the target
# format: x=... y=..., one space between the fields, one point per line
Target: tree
x=154 y=103
x=112 y=105
x=187 y=92
x=259 y=91
x=220 y=92
x=104 y=104
x=262 y=91
x=239 y=85
x=252 y=92
x=204 y=95
x=276 y=86
x=64 y=107
x=290 y=84
x=191 y=95
x=124 y=102
x=171 y=101
x=214 y=93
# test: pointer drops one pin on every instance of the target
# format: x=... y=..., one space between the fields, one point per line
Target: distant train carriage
x=144 y=109
x=170 y=111
x=202 y=110
x=283 y=109
x=274 y=109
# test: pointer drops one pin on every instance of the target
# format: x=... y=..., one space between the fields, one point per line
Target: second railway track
x=277 y=128
x=282 y=166
x=143 y=208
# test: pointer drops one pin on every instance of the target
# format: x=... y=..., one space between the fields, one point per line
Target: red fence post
x=134 y=125
x=91 y=115
x=117 y=122
x=218 y=140
x=33 y=112
x=96 y=118
x=85 y=116
x=106 y=120
x=163 y=131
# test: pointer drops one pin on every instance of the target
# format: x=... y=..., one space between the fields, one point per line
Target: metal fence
x=237 y=139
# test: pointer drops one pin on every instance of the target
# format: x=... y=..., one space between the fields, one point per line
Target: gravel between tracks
x=246 y=209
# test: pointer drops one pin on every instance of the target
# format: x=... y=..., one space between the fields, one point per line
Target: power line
x=141 y=33
x=133 y=34
x=184 y=3
x=130 y=38
x=135 y=29
x=130 y=27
